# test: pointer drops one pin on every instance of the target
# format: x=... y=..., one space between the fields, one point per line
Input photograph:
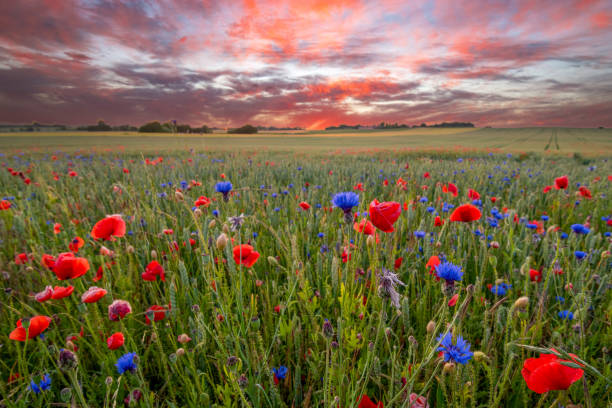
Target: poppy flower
x=57 y=228
x=5 y=205
x=60 y=292
x=366 y=402
x=67 y=266
x=453 y=301
x=119 y=309
x=438 y=222
x=561 y=183
x=202 y=201
x=156 y=312
x=364 y=226
x=245 y=254
x=76 y=244
x=35 y=327
x=21 y=259
x=450 y=188
x=432 y=263
x=546 y=373
x=93 y=294
x=108 y=228
x=398 y=263
x=383 y=215
x=304 y=205
x=585 y=192
x=547 y=189
x=48 y=261
x=473 y=194
x=465 y=213
x=152 y=271
x=115 y=341
x=535 y=275
x=44 y=295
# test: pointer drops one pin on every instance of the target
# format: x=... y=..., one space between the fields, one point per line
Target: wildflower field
x=202 y=277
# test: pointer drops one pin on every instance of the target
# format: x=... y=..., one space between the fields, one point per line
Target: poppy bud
x=29 y=269
x=522 y=302
x=272 y=260
x=153 y=337
x=431 y=326
x=605 y=254
x=550 y=229
x=243 y=381
x=494 y=244
x=480 y=356
x=212 y=224
x=226 y=228
x=180 y=352
x=130 y=249
x=183 y=338
x=179 y=196
x=198 y=213
x=70 y=345
x=448 y=368
x=222 y=242
x=413 y=341
x=109 y=380
x=153 y=254
x=67 y=360
x=370 y=240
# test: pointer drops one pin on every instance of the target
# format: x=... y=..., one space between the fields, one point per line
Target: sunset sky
x=307 y=63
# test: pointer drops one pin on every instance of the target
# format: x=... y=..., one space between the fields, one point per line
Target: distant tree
x=183 y=129
x=203 y=129
x=153 y=127
x=423 y=125
x=246 y=129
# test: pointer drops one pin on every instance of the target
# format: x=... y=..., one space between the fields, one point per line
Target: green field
x=543 y=140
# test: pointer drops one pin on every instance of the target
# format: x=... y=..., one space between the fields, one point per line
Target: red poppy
x=535 y=275
x=546 y=373
x=384 y=215
x=157 y=312
x=450 y=188
x=426 y=174
x=246 y=255
x=433 y=262
x=473 y=194
x=366 y=402
x=60 y=292
x=585 y=192
x=364 y=226
x=67 y=266
x=48 y=261
x=21 y=259
x=109 y=227
x=5 y=205
x=561 y=183
x=438 y=222
x=304 y=205
x=493 y=199
x=44 y=295
x=202 y=201
x=465 y=213
x=168 y=231
x=152 y=271
x=547 y=189
x=358 y=187
x=35 y=327
x=453 y=301
x=57 y=228
x=115 y=341
x=93 y=294
x=76 y=244
x=398 y=263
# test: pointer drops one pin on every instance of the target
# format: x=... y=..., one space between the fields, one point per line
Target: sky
x=307 y=63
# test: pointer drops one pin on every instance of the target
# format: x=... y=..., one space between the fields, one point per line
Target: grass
x=244 y=321
x=553 y=141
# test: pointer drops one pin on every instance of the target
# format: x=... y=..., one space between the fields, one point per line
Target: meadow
x=419 y=268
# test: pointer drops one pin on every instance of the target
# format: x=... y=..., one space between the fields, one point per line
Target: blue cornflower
x=419 y=234
x=560 y=299
x=126 y=363
x=280 y=372
x=43 y=385
x=532 y=226
x=580 y=254
x=423 y=199
x=224 y=187
x=566 y=315
x=580 y=229
x=430 y=209
x=449 y=272
x=320 y=235
x=544 y=217
x=501 y=289
x=215 y=213
x=459 y=352
x=346 y=201
x=564 y=235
